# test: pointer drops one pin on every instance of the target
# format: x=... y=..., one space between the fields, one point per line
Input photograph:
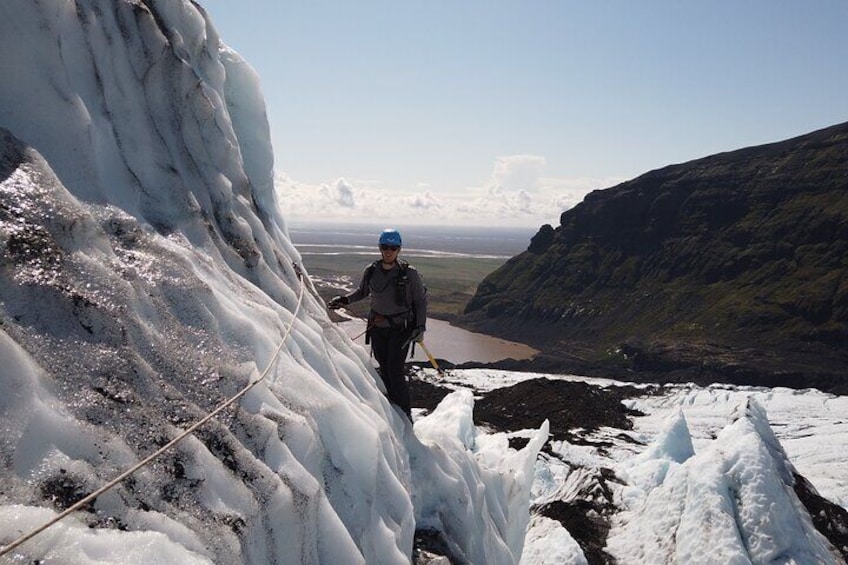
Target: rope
x=76 y=506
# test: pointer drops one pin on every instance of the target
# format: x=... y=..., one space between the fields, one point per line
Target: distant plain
x=451 y=260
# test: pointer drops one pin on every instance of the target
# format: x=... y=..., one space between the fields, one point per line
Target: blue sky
x=507 y=112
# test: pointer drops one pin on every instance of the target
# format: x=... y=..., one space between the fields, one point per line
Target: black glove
x=337 y=302
x=416 y=335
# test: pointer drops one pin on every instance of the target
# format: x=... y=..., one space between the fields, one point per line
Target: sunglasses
x=389 y=247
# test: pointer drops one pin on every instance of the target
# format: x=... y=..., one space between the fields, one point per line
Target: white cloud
x=518 y=193
x=424 y=202
x=343 y=194
x=525 y=201
x=518 y=172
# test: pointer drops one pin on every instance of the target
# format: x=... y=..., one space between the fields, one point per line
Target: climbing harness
x=76 y=506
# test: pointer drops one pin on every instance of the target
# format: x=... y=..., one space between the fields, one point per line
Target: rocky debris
x=828 y=518
x=587 y=526
x=430 y=548
x=574 y=410
x=425 y=394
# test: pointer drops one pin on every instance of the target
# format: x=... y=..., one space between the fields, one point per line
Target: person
x=398 y=315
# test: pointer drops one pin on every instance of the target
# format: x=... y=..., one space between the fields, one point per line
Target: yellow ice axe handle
x=431 y=358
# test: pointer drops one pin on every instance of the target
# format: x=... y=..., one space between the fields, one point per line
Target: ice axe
x=432 y=359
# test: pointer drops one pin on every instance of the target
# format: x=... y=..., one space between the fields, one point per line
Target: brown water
x=456 y=345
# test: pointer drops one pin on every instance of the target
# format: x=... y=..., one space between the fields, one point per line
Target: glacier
x=147 y=276
x=741 y=486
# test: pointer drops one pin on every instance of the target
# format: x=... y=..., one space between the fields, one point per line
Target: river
x=453 y=344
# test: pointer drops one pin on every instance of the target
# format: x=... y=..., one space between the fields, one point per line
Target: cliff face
x=731 y=267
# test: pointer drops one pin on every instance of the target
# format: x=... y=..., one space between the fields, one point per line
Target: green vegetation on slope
x=739 y=260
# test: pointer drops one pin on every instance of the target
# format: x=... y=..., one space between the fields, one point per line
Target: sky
x=509 y=112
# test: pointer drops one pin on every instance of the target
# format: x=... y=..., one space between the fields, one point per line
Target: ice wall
x=146 y=275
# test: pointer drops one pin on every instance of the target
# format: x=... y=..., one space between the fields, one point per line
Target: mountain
x=729 y=268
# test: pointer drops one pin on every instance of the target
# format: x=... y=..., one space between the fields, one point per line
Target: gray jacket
x=381 y=286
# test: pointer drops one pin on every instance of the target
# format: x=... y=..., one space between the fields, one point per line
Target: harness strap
x=401 y=281
x=399 y=320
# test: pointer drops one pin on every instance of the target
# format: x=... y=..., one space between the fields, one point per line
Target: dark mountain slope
x=731 y=267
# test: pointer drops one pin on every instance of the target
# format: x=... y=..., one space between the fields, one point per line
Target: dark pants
x=387 y=345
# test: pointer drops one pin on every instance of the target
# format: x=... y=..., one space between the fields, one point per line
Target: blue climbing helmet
x=390 y=236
